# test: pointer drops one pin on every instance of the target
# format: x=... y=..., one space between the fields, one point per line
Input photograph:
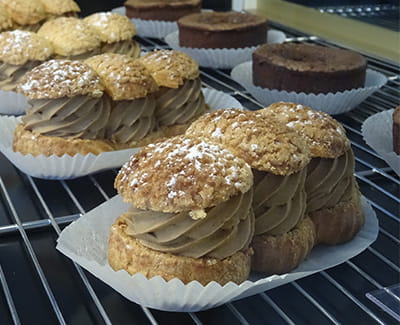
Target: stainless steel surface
x=40 y=285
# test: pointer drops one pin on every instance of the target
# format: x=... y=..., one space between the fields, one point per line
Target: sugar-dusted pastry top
x=265 y=144
x=170 y=68
x=123 y=76
x=70 y=36
x=5 y=19
x=59 y=7
x=61 y=78
x=182 y=174
x=325 y=136
x=111 y=26
x=25 y=12
x=18 y=47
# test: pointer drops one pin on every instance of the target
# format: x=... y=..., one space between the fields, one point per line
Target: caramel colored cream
x=329 y=181
x=11 y=74
x=128 y=47
x=131 y=120
x=279 y=202
x=181 y=105
x=227 y=229
x=77 y=117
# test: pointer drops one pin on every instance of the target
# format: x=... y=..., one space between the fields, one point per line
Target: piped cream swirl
x=77 y=117
x=181 y=105
x=11 y=74
x=131 y=120
x=227 y=229
x=279 y=202
x=329 y=181
x=128 y=47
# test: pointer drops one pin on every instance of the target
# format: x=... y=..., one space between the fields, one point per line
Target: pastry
x=68 y=113
x=164 y=10
x=6 y=22
x=284 y=234
x=333 y=198
x=222 y=30
x=396 y=130
x=131 y=90
x=116 y=33
x=190 y=220
x=26 y=14
x=57 y=8
x=71 y=38
x=307 y=68
x=20 y=51
x=179 y=99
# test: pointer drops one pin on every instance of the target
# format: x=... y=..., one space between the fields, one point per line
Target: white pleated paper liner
x=12 y=103
x=221 y=58
x=377 y=132
x=150 y=28
x=68 y=167
x=332 y=103
x=85 y=242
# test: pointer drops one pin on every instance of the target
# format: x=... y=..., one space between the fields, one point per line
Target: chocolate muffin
x=164 y=10
x=396 y=130
x=222 y=30
x=284 y=234
x=191 y=220
x=307 y=68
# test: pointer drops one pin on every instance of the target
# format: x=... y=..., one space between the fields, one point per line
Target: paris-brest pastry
x=190 y=216
x=284 y=234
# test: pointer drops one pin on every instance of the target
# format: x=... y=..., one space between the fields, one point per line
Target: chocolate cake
x=222 y=30
x=165 y=10
x=396 y=130
x=307 y=68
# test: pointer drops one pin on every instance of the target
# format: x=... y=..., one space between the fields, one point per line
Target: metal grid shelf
x=40 y=285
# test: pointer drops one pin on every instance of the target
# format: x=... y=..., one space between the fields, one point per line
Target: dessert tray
x=221 y=58
x=85 y=242
x=67 y=167
x=377 y=133
x=332 y=103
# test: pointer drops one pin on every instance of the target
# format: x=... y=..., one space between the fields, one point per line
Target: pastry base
x=281 y=254
x=125 y=252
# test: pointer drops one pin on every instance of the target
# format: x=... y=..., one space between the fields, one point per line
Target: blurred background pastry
x=20 y=51
x=284 y=234
x=333 y=198
x=191 y=220
x=58 y=8
x=179 y=99
x=131 y=90
x=6 y=22
x=68 y=114
x=164 y=10
x=116 y=33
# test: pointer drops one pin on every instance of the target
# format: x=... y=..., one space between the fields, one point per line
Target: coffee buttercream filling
x=81 y=117
x=11 y=74
x=279 y=202
x=329 y=181
x=131 y=120
x=129 y=47
x=226 y=229
x=180 y=105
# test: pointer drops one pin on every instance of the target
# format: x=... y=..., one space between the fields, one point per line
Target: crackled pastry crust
x=281 y=254
x=60 y=7
x=340 y=223
x=25 y=12
x=325 y=136
x=123 y=76
x=111 y=26
x=70 y=36
x=27 y=46
x=125 y=252
x=170 y=68
x=268 y=146
x=196 y=175
x=5 y=19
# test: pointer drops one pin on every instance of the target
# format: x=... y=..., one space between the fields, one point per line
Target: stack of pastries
x=189 y=205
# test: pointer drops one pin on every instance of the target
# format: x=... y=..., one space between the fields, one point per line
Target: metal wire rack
x=41 y=286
